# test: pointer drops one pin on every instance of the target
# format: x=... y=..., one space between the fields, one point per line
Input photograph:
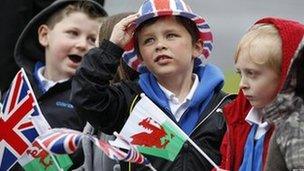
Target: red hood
x=291 y=33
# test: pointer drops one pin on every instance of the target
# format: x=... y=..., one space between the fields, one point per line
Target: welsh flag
x=152 y=131
x=37 y=158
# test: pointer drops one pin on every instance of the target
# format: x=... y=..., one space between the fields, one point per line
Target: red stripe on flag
x=136 y=63
x=49 y=140
x=207 y=36
x=161 y=4
x=164 y=13
x=26 y=125
x=16 y=92
x=71 y=144
x=129 y=46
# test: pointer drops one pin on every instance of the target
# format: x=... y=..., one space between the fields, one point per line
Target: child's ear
x=197 y=48
x=43 y=31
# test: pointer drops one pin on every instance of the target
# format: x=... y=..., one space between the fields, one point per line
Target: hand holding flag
x=21 y=121
x=154 y=133
x=66 y=141
x=17 y=118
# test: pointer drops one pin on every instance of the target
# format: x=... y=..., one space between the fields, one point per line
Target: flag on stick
x=66 y=141
x=21 y=121
x=152 y=132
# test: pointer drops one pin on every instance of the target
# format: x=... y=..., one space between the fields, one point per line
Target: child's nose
x=160 y=45
x=243 y=83
x=82 y=44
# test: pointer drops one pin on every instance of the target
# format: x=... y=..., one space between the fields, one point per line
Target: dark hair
x=82 y=6
x=189 y=25
x=105 y=31
x=108 y=23
x=299 y=64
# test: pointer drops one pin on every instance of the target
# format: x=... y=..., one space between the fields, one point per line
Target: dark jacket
x=55 y=102
x=106 y=108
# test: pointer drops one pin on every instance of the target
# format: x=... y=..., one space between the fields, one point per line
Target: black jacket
x=14 y=16
x=106 y=107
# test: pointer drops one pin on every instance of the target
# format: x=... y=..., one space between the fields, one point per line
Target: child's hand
x=123 y=31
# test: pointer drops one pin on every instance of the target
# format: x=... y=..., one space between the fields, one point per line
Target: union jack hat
x=157 y=8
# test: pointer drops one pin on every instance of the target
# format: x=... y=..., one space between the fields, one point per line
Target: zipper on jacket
x=210 y=113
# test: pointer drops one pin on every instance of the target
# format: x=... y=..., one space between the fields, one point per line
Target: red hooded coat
x=232 y=148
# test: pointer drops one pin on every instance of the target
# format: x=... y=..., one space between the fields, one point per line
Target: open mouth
x=75 y=58
x=161 y=57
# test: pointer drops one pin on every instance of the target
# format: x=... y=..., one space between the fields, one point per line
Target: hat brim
x=28 y=42
x=130 y=54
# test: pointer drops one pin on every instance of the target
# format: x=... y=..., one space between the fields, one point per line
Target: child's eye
x=171 y=35
x=148 y=41
x=72 y=33
x=92 y=40
x=251 y=74
x=239 y=73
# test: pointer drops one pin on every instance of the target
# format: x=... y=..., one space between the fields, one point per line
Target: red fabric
x=291 y=33
x=232 y=148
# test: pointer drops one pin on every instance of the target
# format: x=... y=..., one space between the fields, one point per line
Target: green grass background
x=232 y=80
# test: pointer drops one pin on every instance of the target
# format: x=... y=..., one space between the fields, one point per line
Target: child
x=166 y=49
x=50 y=49
x=263 y=58
x=95 y=159
x=286 y=148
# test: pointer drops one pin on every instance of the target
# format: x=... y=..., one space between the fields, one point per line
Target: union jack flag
x=66 y=141
x=16 y=123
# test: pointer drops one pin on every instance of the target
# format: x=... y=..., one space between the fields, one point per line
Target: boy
x=166 y=49
x=95 y=159
x=50 y=49
x=262 y=59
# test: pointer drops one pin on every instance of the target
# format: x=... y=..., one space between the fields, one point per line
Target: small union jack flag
x=16 y=123
x=66 y=141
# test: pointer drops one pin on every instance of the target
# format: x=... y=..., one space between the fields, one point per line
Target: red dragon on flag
x=154 y=137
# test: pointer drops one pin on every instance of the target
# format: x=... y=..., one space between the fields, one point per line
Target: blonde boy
x=263 y=58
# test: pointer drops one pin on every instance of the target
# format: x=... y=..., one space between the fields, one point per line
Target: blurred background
x=229 y=20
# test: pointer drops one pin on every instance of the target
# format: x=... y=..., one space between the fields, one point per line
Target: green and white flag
x=38 y=159
x=152 y=131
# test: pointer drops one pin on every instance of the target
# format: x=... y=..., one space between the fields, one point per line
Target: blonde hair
x=263 y=44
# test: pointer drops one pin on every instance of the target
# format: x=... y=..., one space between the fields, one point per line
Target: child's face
x=166 y=48
x=259 y=83
x=66 y=44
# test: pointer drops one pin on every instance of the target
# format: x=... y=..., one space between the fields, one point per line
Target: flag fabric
x=19 y=107
x=38 y=159
x=157 y=8
x=152 y=131
x=66 y=141
x=22 y=120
